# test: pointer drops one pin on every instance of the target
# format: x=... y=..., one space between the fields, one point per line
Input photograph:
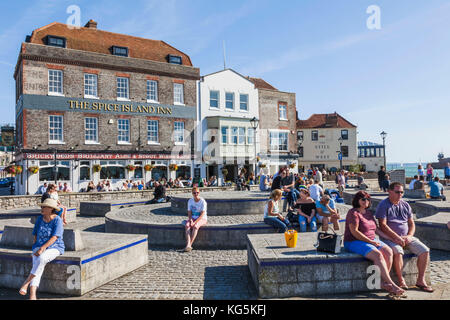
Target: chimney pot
x=91 y=24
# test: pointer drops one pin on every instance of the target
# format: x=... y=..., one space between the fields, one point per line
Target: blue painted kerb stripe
x=113 y=251
x=71 y=262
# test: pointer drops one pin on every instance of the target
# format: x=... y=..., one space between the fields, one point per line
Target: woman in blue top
x=48 y=234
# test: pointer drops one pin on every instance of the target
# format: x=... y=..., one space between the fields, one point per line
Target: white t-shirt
x=315 y=191
x=274 y=209
x=54 y=196
x=197 y=207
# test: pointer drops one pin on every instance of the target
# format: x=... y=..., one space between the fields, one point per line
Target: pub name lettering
x=114 y=107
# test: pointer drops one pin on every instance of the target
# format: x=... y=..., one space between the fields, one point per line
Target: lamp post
x=254 y=123
x=340 y=151
x=299 y=144
x=383 y=136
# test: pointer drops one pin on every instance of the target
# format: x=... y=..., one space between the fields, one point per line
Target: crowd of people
x=305 y=200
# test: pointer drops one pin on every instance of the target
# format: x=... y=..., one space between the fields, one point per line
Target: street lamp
x=254 y=123
x=340 y=151
x=383 y=136
x=299 y=147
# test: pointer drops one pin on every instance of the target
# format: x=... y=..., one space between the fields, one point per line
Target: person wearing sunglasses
x=395 y=219
x=197 y=217
x=360 y=238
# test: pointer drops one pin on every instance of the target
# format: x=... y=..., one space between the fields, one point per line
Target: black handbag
x=328 y=242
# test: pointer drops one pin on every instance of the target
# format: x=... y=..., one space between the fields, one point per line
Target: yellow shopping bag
x=291 y=237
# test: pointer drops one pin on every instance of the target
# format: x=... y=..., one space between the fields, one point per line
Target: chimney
x=91 y=24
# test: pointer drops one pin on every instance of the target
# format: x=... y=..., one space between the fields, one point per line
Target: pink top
x=367 y=224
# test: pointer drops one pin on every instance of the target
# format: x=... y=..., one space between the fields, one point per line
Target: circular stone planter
x=226 y=202
x=166 y=228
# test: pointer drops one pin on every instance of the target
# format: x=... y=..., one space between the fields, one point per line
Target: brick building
x=277 y=126
x=92 y=97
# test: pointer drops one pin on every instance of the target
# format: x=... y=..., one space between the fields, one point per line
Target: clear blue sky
x=396 y=79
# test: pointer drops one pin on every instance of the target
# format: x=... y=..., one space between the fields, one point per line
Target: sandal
x=23 y=292
x=392 y=291
x=403 y=286
x=425 y=288
x=188 y=249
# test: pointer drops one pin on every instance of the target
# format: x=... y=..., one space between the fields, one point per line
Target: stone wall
x=72 y=200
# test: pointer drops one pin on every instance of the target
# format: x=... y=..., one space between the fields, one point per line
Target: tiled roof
x=99 y=41
x=330 y=120
x=261 y=84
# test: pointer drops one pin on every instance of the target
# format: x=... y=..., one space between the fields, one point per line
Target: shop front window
x=112 y=172
x=47 y=171
x=184 y=172
x=159 y=173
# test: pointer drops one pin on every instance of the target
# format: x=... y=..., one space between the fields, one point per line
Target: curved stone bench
x=433 y=231
x=226 y=202
x=100 y=208
x=165 y=227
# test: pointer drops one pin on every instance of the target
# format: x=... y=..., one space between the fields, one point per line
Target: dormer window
x=120 y=51
x=56 y=41
x=174 y=59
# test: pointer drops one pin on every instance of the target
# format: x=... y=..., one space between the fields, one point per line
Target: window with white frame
x=214 y=99
x=244 y=102
x=282 y=109
x=229 y=100
x=56 y=129
x=91 y=130
x=250 y=136
x=55 y=82
x=152 y=90
x=123 y=88
x=152 y=131
x=224 y=131
x=234 y=135
x=90 y=85
x=123 y=126
x=278 y=141
x=178 y=93
x=241 y=134
x=179 y=131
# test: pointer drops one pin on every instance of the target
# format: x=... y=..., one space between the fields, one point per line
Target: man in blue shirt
x=436 y=189
x=447 y=173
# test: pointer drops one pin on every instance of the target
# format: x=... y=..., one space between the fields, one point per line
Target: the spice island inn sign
x=55 y=103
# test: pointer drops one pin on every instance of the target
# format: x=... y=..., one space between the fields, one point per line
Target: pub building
x=102 y=104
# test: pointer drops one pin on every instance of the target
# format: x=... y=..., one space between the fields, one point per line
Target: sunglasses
x=365 y=199
x=195 y=193
x=399 y=192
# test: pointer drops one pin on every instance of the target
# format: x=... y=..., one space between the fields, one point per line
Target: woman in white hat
x=48 y=234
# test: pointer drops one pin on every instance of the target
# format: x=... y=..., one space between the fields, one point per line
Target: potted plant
x=11 y=169
x=96 y=168
x=224 y=172
x=262 y=165
x=292 y=165
x=148 y=167
x=19 y=169
x=130 y=167
x=173 y=167
x=33 y=170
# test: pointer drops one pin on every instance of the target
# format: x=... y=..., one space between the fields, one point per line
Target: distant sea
x=411 y=169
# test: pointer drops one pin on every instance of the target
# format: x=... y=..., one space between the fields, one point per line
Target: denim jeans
x=303 y=221
x=282 y=226
x=292 y=196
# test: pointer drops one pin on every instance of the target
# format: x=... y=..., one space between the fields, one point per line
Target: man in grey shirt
x=395 y=219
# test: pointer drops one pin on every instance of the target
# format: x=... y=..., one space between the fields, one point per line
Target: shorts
x=416 y=247
x=200 y=223
x=361 y=247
